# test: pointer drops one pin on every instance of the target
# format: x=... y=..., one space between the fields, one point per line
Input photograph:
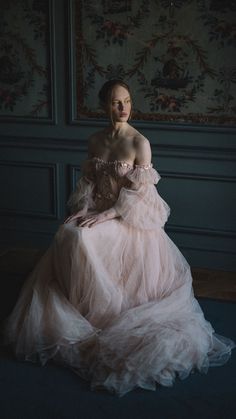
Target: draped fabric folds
x=115 y=302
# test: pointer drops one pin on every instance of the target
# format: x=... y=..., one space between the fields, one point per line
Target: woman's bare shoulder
x=142 y=148
x=140 y=141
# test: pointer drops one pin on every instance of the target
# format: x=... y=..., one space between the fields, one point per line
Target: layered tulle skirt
x=116 y=305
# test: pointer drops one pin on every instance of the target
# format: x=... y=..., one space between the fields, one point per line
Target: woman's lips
x=123 y=114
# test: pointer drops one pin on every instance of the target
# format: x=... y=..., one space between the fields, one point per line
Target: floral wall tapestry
x=24 y=59
x=178 y=57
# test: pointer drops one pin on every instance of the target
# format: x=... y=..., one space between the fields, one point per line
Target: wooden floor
x=206 y=283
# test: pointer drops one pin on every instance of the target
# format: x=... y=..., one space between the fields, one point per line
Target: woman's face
x=120 y=107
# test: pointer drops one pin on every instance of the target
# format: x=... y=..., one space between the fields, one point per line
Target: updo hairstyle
x=105 y=94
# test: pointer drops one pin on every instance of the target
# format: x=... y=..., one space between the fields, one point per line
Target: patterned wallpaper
x=24 y=59
x=178 y=56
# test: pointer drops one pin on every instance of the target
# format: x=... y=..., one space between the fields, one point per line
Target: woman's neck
x=118 y=129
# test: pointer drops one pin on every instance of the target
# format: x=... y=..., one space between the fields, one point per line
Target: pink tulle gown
x=114 y=302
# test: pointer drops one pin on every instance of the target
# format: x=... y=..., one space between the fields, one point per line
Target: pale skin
x=119 y=141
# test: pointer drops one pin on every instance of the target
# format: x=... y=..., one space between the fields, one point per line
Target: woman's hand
x=93 y=219
x=76 y=216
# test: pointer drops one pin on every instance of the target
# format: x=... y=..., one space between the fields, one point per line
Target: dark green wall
x=40 y=161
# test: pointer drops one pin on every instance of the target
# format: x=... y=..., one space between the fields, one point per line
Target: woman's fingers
x=72 y=218
x=89 y=222
x=67 y=220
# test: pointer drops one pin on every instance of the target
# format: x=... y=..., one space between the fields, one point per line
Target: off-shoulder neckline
x=112 y=161
x=121 y=162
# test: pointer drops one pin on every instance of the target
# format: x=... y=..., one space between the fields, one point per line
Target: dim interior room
x=178 y=57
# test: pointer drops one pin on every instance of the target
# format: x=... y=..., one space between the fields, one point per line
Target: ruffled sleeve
x=82 y=197
x=140 y=205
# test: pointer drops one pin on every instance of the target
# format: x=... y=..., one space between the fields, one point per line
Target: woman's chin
x=121 y=119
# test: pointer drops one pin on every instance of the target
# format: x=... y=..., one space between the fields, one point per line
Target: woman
x=112 y=298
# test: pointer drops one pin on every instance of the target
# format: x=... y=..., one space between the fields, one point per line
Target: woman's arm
x=101 y=217
x=143 y=154
x=142 y=157
x=139 y=204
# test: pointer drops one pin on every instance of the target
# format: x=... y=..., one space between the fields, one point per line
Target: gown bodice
x=130 y=189
x=109 y=177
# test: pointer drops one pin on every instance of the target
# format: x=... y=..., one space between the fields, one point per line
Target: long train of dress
x=115 y=302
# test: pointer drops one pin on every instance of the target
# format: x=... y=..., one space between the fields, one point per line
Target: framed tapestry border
x=80 y=112
x=51 y=77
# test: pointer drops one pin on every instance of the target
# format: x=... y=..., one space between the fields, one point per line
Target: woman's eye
x=115 y=103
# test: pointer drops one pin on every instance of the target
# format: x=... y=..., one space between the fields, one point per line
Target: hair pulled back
x=106 y=90
x=105 y=94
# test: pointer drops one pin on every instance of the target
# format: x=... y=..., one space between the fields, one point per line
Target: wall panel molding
x=52 y=119
x=197 y=176
x=73 y=118
x=203 y=246
x=71 y=64
x=53 y=178
x=207 y=249
x=200 y=231
x=196 y=152
x=74 y=172
x=197 y=163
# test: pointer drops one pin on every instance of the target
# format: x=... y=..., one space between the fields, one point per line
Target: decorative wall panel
x=26 y=89
x=197 y=182
x=29 y=189
x=178 y=57
x=74 y=174
x=217 y=191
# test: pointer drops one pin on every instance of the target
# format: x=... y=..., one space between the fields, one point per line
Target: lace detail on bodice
x=120 y=165
x=102 y=181
x=110 y=178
